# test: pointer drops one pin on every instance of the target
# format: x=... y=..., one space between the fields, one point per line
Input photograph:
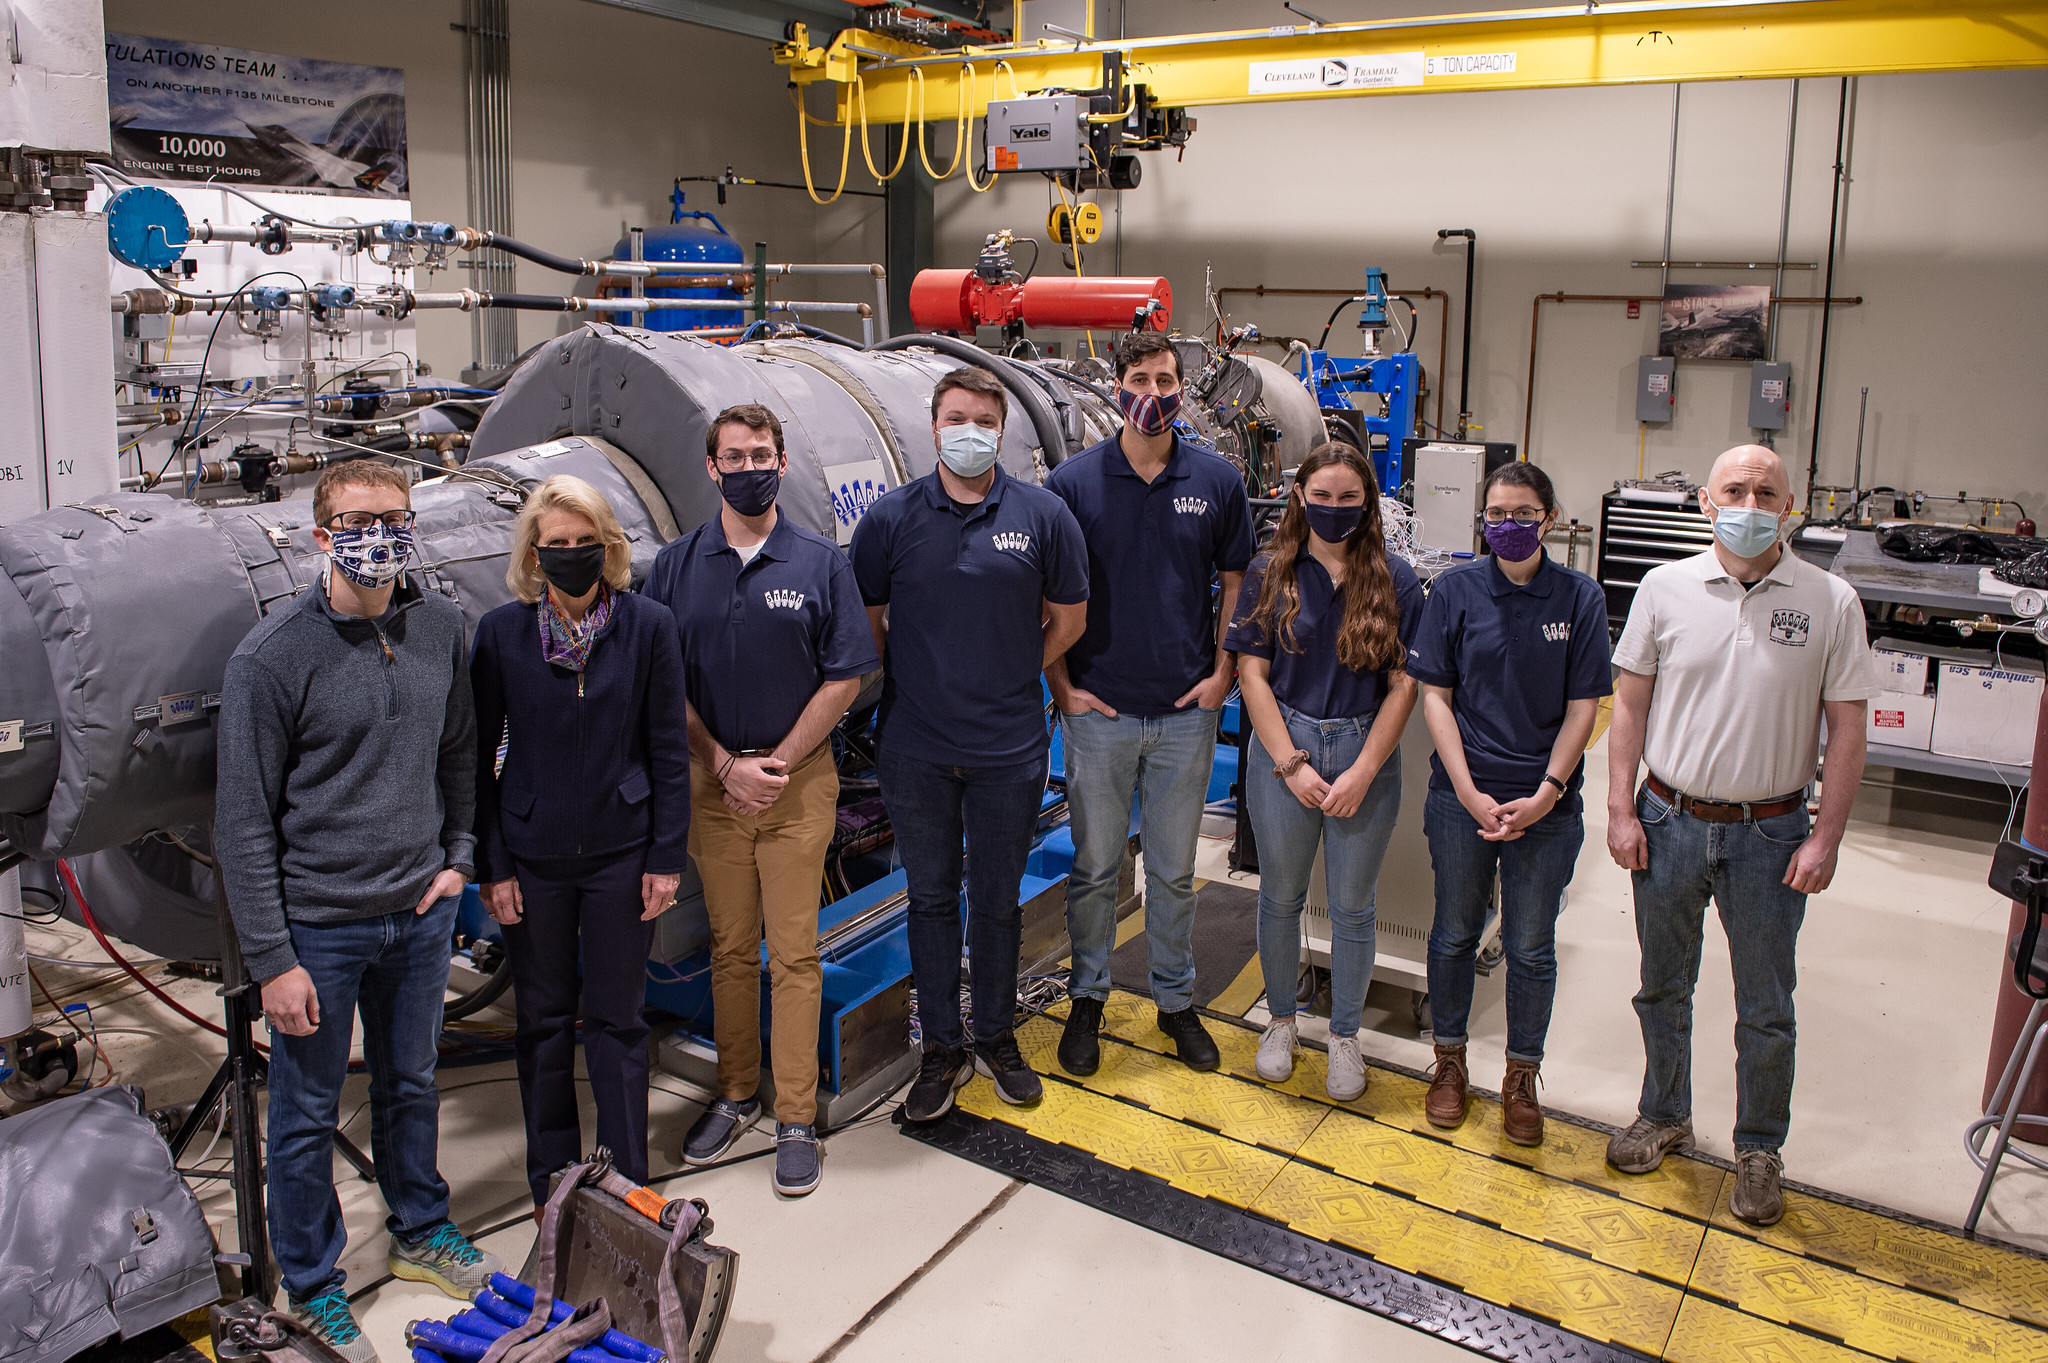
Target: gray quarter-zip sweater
x=347 y=766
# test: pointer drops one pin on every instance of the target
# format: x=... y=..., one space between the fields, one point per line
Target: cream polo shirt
x=1741 y=673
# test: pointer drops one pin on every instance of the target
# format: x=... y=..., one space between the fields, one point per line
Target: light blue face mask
x=969 y=450
x=1746 y=531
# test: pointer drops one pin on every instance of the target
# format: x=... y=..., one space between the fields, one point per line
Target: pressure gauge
x=2029 y=603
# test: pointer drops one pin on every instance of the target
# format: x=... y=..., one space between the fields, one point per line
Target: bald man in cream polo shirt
x=1729 y=663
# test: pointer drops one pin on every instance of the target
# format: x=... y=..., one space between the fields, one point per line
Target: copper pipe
x=1536 y=318
x=1443 y=327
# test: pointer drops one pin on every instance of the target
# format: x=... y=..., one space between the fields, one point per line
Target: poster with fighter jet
x=1715 y=322
x=196 y=111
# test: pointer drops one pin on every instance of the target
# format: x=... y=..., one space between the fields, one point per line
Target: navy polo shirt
x=1154 y=550
x=1309 y=678
x=1512 y=656
x=760 y=639
x=966 y=587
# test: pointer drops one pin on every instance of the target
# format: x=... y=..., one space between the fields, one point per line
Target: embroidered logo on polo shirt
x=785 y=600
x=1790 y=627
x=1558 y=632
x=1012 y=541
x=1192 y=506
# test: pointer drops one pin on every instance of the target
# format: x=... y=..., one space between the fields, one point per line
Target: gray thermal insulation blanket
x=98 y=1234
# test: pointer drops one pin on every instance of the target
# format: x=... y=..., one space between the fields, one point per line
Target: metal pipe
x=760 y=281
x=1784 y=215
x=1536 y=317
x=638 y=237
x=1856 y=484
x=1465 y=364
x=1670 y=200
x=1820 y=373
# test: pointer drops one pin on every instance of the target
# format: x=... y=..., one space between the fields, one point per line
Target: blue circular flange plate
x=147 y=228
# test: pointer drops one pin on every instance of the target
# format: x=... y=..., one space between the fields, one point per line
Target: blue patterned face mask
x=373 y=556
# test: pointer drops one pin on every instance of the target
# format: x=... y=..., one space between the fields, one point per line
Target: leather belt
x=1724 y=811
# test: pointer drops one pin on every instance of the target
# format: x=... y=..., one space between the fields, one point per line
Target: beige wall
x=1945 y=236
x=608 y=106
x=1945 y=231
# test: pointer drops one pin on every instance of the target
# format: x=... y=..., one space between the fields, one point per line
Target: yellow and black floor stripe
x=1514 y=1252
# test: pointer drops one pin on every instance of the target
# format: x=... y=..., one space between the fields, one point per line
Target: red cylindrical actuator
x=957 y=300
x=1106 y=304
x=2013 y=1006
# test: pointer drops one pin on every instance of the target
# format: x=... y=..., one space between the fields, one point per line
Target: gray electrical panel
x=1656 y=387
x=1049 y=132
x=1770 y=394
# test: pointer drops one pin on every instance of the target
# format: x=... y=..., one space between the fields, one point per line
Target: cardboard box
x=1902 y=667
x=1987 y=713
x=1901 y=719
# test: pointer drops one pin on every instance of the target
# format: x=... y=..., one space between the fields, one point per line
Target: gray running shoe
x=1757 y=1198
x=445 y=1260
x=1277 y=1049
x=330 y=1318
x=797 y=1163
x=717 y=1129
x=1643 y=1146
x=1346 y=1081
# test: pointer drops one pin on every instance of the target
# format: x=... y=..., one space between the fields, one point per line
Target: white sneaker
x=1347 y=1069
x=1277 y=1049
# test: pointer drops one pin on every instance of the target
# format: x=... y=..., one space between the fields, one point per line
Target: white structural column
x=75 y=338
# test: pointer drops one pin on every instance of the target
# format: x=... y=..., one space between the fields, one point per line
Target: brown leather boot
x=1521 y=1116
x=1445 y=1105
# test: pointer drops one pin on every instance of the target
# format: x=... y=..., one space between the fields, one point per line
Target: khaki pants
x=765 y=873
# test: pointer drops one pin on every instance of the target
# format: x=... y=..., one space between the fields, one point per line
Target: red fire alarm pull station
x=1635 y=308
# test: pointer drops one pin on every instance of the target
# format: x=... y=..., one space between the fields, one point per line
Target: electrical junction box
x=1770 y=394
x=1657 y=387
x=1448 y=479
x=1048 y=132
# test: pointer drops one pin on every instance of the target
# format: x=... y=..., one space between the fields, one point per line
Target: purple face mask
x=1512 y=542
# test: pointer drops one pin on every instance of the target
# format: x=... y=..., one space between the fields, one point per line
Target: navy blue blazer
x=590 y=771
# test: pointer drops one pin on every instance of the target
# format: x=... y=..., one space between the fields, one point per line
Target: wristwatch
x=1550 y=780
x=1291 y=765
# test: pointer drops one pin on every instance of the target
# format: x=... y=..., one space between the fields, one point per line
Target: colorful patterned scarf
x=567 y=644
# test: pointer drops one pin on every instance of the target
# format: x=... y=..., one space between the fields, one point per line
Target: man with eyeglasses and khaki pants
x=775 y=642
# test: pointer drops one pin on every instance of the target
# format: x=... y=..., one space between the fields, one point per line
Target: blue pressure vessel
x=698 y=238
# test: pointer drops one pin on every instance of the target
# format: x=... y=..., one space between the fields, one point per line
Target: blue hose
x=509 y=1291
x=426 y=1356
x=458 y=1347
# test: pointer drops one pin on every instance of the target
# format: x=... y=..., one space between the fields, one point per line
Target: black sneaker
x=718 y=1129
x=1191 y=1041
x=1002 y=1062
x=1080 y=1053
x=943 y=1069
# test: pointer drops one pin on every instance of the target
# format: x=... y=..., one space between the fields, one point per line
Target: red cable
x=92 y=925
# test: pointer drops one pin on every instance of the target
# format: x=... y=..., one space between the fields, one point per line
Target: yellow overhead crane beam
x=1633 y=42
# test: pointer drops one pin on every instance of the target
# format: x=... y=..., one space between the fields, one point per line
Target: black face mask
x=572 y=569
x=750 y=491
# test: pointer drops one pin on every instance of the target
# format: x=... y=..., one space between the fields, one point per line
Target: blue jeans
x=1741 y=866
x=994 y=810
x=1353 y=848
x=1164 y=761
x=1534 y=869
x=395 y=970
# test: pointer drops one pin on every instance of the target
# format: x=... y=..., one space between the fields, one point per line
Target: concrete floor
x=906 y=1252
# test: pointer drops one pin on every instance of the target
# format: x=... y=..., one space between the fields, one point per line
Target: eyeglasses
x=363 y=520
x=1496 y=516
x=757 y=459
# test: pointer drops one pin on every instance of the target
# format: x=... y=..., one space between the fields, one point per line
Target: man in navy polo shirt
x=1140 y=693
x=774 y=647
x=1512 y=658
x=985 y=582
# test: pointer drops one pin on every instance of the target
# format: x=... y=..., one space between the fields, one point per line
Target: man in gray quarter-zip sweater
x=342 y=826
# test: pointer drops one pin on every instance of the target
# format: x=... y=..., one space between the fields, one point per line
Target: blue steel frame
x=1397 y=378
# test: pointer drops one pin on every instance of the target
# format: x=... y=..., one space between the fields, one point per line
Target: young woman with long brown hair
x=1323 y=624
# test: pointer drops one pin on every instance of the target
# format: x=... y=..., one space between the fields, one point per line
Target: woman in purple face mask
x=1512 y=658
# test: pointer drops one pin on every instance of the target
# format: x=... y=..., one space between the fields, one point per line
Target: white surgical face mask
x=969 y=450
